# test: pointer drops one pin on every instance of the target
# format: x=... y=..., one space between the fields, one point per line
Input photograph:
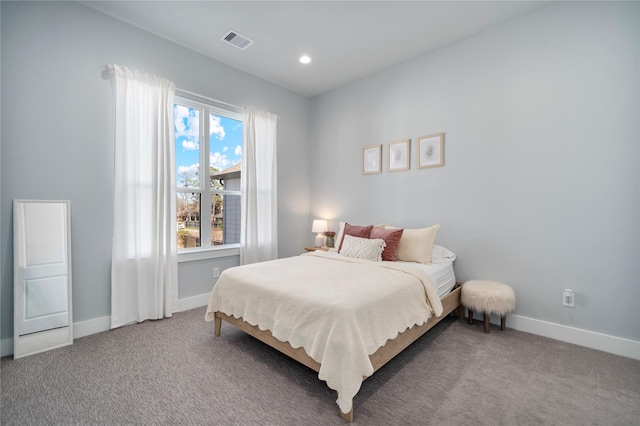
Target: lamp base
x=319 y=240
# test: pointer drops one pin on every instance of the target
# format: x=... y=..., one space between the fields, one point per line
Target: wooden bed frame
x=450 y=304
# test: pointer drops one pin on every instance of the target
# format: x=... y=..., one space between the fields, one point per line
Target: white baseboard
x=194 y=302
x=590 y=339
x=80 y=329
x=92 y=326
x=98 y=325
x=602 y=342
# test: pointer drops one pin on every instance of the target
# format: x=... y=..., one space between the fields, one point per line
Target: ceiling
x=347 y=40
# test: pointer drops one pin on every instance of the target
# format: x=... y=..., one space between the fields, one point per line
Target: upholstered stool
x=490 y=298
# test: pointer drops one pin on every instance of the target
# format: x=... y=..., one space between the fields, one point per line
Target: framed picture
x=431 y=151
x=399 y=156
x=371 y=159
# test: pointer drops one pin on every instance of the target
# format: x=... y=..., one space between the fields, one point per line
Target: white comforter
x=339 y=309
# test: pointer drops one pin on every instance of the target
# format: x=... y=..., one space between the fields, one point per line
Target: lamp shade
x=319 y=225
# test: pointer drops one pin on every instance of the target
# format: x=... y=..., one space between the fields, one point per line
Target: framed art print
x=371 y=159
x=399 y=156
x=431 y=151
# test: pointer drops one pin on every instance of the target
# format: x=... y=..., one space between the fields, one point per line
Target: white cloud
x=189 y=145
x=215 y=128
x=238 y=150
x=188 y=171
x=218 y=160
x=225 y=149
x=186 y=122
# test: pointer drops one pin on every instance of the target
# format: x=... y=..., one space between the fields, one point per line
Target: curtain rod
x=186 y=92
x=109 y=68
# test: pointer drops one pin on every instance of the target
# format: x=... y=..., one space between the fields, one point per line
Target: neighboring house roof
x=232 y=172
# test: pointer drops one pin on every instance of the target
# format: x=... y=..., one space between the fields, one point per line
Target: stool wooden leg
x=503 y=322
x=486 y=323
x=470 y=316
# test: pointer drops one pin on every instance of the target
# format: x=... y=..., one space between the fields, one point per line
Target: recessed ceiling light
x=304 y=59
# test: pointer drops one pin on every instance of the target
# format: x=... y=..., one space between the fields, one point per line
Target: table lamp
x=319 y=226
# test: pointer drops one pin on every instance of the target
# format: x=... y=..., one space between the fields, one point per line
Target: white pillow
x=340 y=233
x=362 y=248
x=416 y=245
x=442 y=254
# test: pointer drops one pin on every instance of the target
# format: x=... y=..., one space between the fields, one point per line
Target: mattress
x=441 y=273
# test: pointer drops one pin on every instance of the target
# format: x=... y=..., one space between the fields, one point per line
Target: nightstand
x=316 y=248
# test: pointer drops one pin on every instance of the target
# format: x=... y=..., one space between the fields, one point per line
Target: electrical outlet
x=568 y=298
x=216 y=272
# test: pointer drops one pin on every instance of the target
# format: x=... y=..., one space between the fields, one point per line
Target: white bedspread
x=339 y=309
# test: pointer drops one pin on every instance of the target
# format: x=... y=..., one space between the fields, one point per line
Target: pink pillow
x=391 y=237
x=355 y=231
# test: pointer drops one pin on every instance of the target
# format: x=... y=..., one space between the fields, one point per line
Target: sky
x=225 y=140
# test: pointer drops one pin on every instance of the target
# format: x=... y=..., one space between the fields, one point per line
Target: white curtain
x=259 y=235
x=144 y=270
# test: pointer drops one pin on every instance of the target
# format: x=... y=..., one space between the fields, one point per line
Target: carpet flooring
x=176 y=372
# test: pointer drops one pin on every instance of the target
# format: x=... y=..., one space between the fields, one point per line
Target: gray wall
x=57 y=137
x=540 y=187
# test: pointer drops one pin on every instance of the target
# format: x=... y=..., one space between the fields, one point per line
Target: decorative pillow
x=392 y=239
x=339 y=235
x=441 y=255
x=416 y=245
x=362 y=248
x=355 y=231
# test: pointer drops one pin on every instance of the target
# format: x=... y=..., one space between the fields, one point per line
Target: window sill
x=210 y=253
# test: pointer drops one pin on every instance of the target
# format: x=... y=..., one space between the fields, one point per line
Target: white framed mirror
x=42 y=276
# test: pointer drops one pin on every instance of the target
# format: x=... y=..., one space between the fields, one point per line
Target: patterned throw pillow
x=355 y=231
x=391 y=237
x=362 y=248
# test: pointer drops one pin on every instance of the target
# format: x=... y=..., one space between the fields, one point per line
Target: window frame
x=207 y=250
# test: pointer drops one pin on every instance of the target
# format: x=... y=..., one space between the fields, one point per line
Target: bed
x=343 y=317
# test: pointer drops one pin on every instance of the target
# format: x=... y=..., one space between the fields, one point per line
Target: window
x=208 y=168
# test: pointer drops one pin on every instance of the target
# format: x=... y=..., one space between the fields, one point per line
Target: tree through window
x=208 y=204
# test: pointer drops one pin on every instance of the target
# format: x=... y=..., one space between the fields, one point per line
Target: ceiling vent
x=237 y=40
